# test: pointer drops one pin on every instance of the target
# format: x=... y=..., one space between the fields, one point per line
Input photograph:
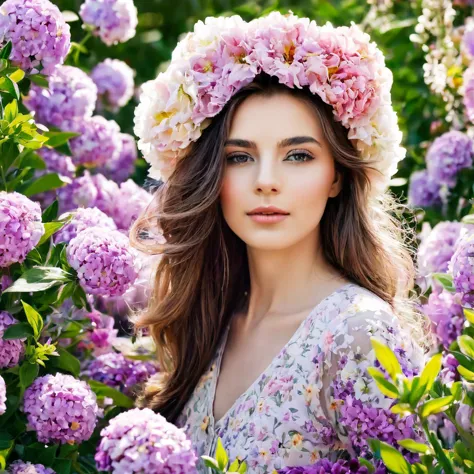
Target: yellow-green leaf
x=17 y=76
x=436 y=405
x=465 y=373
x=466 y=344
x=386 y=387
x=34 y=318
x=415 y=447
x=469 y=315
x=403 y=409
x=221 y=455
x=387 y=358
x=394 y=460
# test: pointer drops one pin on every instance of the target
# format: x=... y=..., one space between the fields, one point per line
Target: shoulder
x=366 y=315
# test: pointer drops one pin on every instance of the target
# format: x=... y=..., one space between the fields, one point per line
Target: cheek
x=231 y=192
x=312 y=189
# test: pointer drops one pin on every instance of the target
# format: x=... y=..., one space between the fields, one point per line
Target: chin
x=278 y=241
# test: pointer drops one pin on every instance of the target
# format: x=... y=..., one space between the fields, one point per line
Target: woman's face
x=296 y=177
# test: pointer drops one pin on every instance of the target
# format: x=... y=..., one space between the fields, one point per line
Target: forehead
x=280 y=116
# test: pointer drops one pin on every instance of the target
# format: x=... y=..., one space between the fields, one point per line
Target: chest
x=247 y=355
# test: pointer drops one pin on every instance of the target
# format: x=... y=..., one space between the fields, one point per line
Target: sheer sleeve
x=349 y=397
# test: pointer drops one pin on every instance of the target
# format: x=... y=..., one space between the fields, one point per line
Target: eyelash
x=228 y=158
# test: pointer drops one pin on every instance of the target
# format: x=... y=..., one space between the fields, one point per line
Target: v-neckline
x=222 y=347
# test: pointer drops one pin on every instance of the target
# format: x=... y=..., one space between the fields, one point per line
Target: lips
x=269 y=211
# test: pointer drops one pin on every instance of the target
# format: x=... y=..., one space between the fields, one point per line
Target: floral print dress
x=315 y=399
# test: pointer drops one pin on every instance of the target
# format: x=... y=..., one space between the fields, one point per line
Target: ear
x=336 y=185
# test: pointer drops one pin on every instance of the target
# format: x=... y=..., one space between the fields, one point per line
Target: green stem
x=4 y=179
x=77 y=52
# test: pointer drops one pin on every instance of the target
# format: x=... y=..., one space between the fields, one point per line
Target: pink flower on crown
x=275 y=40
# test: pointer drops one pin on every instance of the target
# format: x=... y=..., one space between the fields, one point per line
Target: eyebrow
x=286 y=142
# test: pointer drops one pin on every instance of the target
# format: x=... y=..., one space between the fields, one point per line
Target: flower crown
x=223 y=54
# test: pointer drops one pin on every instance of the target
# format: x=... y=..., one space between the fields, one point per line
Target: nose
x=267 y=179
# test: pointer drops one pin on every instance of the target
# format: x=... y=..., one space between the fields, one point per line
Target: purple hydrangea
x=21 y=467
x=114 y=21
x=437 y=248
x=84 y=217
x=20 y=227
x=465 y=418
x=131 y=202
x=11 y=350
x=5 y=282
x=461 y=266
x=40 y=36
x=104 y=261
x=57 y=162
x=423 y=190
x=119 y=372
x=3 y=396
x=325 y=466
x=446 y=315
x=140 y=440
x=71 y=95
x=468 y=36
x=61 y=409
x=449 y=154
x=82 y=192
x=101 y=336
x=120 y=169
x=97 y=143
x=114 y=81
x=468 y=98
x=107 y=194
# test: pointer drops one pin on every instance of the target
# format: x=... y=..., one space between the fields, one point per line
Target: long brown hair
x=203 y=274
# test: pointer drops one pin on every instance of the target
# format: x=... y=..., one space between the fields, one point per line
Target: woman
x=264 y=321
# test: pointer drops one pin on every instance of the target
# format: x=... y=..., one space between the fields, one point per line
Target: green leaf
x=51 y=212
x=426 y=380
x=456 y=391
x=210 y=462
x=39 y=279
x=440 y=454
x=39 y=79
x=18 y=331
x=469 y=314
x=56 y=139
x=28 y=372
x=242 y=468
x=387 y=358
x=34 y=318
x=50 y=228
x=445 y=280
x=44 y=183
x=62 y=466
x=102 y=390
x=7 y=85
x=363 y=462
x=40 y=453
x=386 y=387
x=464 y=360
x=221 y=455
x=437 y=405
x=394 y=460
x=66 y=361
x=11 y=111
x=466 y=344
x=414 y=446
x=6 y=50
